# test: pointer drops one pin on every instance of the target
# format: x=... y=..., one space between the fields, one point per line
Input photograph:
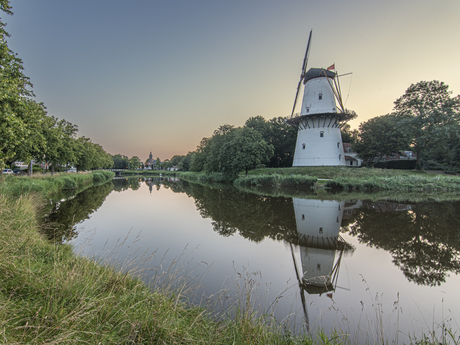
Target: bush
x=69 y=183
x=98 y=177
x=36 y=168
x=399 y=164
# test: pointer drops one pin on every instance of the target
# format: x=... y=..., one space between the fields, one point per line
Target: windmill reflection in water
x=321 y=247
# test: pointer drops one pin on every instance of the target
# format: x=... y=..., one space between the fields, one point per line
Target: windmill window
x=321 y=134
x=337 y=219
x=340 y=157
x=303 y=217
x=303 y=146
x=318 y=267
x=320 y=96
x=308 y=110
x=338 y=145
x=320 y=230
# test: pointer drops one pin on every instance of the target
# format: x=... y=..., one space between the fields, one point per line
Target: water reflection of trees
x=122 y=184
x=252 y=216
x=423 y=240
x=60 y=221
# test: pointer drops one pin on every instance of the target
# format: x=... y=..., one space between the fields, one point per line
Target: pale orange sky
x=159 y=76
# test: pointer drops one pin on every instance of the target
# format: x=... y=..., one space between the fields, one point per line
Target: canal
x=371 y=269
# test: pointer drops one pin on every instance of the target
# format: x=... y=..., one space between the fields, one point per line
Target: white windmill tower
x=319 y=140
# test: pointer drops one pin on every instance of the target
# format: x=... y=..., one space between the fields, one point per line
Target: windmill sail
x=302 y=75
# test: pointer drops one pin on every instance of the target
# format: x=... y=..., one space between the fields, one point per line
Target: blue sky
x=140 y=76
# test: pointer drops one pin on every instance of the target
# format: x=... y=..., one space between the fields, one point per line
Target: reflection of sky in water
x=169 y=224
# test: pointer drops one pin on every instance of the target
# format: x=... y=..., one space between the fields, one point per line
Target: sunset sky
x=149 y=75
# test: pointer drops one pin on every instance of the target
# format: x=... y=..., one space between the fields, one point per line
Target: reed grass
x=47 y=184
x=276 y=180
x=404 y=183
x=50 y=295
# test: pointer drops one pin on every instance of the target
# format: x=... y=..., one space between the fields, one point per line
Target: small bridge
x=117 y=171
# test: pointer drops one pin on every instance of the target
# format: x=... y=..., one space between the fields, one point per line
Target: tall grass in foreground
x=49 y=295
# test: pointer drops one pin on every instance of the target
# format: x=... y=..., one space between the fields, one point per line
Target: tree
x=379 y=136
x=199 y=157
x=429 y=114
x=184 y=164
x=62 y=146
x=243 y=149
x=283 y=137
x=215 y=143
x=349 y=136
x=120 y=161
x=134 y=162
x=37 y=123
x=91 y=155
x=166 y=164
x=18 y=121
x=279 y=134
x=26 y=131
x=5 y=6
x=175 y=160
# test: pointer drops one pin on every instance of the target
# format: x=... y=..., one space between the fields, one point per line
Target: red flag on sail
x=331 y=67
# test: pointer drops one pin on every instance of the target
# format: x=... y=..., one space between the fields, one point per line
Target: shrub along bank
x=46 y=185
x=335 y=178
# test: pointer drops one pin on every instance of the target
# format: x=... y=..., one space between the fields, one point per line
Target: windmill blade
x=304 y=68
x=307 y=53
x=296 y=95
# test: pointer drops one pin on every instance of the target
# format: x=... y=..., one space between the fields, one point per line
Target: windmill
x=319 y=140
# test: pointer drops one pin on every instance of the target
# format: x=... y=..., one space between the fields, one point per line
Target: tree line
x=426 y=120
x=231 y=149
x=27 y=132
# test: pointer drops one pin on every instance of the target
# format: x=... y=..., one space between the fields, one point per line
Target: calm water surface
x=364 y=267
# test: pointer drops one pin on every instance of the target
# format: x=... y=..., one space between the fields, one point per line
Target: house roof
x=350 y=158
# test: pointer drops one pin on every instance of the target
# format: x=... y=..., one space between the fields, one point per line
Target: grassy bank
x=47 y=185
x=50 y=295
x=345 y=183
x=276 y=181
x=370 y=179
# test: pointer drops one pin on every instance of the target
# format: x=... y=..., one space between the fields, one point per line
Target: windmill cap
x=317 y=73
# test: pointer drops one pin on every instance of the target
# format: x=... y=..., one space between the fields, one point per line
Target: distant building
x=351 y=157
x=149 y=163
x=401 y=155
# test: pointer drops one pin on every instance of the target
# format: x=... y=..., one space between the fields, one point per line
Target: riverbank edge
x=50 y=295
x=335 y=183
x=47 y=186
